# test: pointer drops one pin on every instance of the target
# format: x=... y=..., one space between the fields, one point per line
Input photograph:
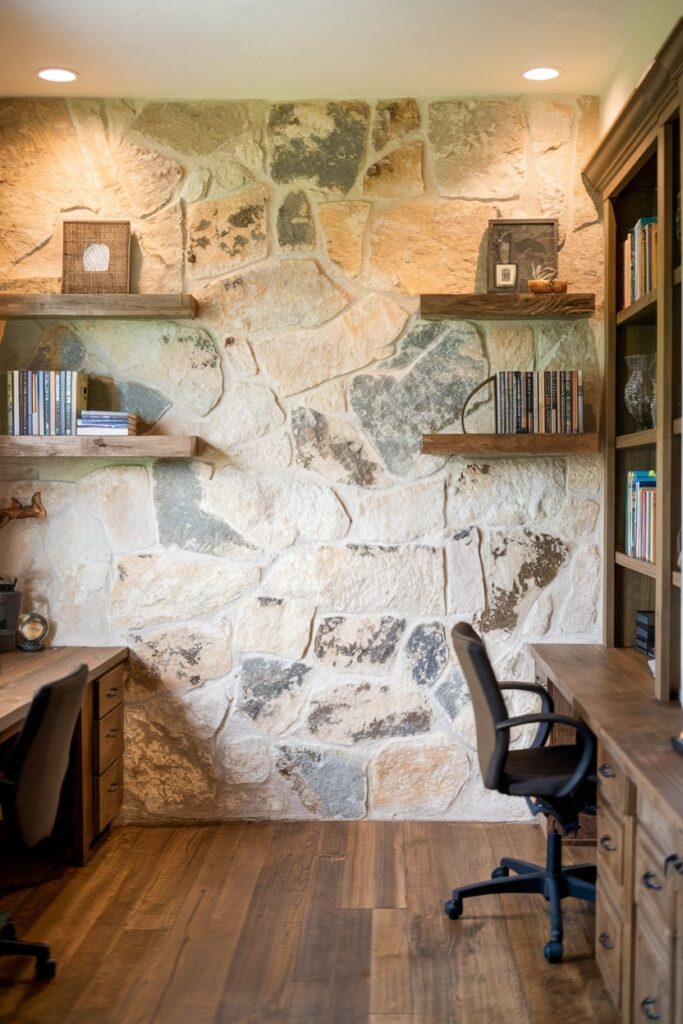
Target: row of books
x=640 y=260
x=539 y=402
x=641 y=514
x=37 y=402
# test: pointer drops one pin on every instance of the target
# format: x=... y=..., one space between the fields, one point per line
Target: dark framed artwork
x=96 y=257
x=531 y=245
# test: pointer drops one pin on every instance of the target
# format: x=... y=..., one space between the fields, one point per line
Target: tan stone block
x=394 y=119
x=157 y=261
x=357 y=337
x=581 y=260
x=199 y=127
x=156 y=588
x=343 y=225
x=417 y=780
x=351 y=712
x=397 y=174
x=224 y=234
x=579 y=615
x=123 y=498
x=479 y=147
x=431 y=246
x=393 y=517
x=176 y=658
x=270 y=625
x=328 y=397
x=334 y=448
x=509 y=346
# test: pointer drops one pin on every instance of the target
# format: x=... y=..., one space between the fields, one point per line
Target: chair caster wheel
x=453 y=909
x=46 y=969
x=500 y=872
x=552 y=951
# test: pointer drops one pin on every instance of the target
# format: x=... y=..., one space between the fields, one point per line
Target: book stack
x=641 y=513
x=104 y=423
x=640 y=260
x=39 y=402
x=645 y=633
x=543 y=402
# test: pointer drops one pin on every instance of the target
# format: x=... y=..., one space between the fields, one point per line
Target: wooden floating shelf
x=515 y=306
x=146 y=446
x=642 y=311
x=676 y=579
x=129 y=307
x=510 y=445
x=636 y=564
x=637 y=439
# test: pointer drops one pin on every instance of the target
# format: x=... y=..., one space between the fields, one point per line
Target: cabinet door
x=653 y=976
x=608 y=944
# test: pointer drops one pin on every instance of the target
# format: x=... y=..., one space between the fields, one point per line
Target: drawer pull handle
x=648 y=881
x=112 y=789
x=114 y=731
x=605 y=941
x=112 y=692
x=607 y=844
x=646 y=1008
x=674 y=863
x=606 y=770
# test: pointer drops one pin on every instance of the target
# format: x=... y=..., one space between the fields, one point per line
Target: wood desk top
x=22 y=673
x=611 y=690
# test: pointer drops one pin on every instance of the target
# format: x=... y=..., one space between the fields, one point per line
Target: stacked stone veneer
x=287 y=598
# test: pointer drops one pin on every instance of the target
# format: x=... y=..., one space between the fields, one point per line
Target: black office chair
x=557 y=781
x=32 y=783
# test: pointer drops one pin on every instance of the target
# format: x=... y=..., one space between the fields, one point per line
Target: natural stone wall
x=287 y=599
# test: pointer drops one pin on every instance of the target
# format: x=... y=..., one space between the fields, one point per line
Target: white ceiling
x=289 y=49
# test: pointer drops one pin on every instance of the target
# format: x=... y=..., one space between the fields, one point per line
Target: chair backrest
x=487 y=702
x=40 y=757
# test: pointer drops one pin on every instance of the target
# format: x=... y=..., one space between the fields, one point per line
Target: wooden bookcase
x=637 y=171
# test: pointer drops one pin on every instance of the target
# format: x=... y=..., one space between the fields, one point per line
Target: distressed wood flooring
x=298 y=923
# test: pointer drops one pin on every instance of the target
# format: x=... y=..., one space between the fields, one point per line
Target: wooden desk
x=94 y=785
x=639 y=910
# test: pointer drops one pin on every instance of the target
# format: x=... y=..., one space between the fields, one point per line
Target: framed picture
x=524 y=243
x=96 y=257
x=505 y=276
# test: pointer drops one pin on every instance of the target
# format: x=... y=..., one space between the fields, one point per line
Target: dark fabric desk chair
x=31 y=786
x=557 y=780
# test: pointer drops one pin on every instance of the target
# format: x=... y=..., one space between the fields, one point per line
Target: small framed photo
x=96 y=257
x=505 y=275
x=525 y=243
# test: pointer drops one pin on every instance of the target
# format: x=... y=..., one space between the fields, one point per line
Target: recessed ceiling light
x=57 y=75
x=542 y=74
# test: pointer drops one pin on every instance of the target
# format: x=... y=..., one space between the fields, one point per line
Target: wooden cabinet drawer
x=108 y=739
x=109 y=691
x=610 y=854
x=653 y=976
x=656 y=882
x=608 y=944
x=613 y=785
x=108 y=794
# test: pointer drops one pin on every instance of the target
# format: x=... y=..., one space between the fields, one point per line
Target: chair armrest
x=547 y=705
x=587 y=737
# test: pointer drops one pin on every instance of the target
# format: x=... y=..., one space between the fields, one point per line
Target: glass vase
x=639 y=391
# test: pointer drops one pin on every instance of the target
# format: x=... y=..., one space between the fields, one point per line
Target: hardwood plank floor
x=298 y=923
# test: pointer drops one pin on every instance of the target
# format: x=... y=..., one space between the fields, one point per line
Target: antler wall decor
x=36 y=510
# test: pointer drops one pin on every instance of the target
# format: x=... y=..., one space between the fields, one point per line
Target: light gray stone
x=395 y=412
x=320 y=144
x=363 y=578
x=198 y=127
x=427 y=653
x=351 y=713
x=295 y=227
x=330 y=446
x=273 y=693
x=182 y=522
x=466 y=590
x=356 y=644
x=495 y=493
x=274 y=626
x=453 y=694
x=242 y=755
x=155 y=588
x=579 y=616
x=329 y=784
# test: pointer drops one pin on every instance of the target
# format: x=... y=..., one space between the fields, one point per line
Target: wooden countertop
x=22 y=673
x=611 y=690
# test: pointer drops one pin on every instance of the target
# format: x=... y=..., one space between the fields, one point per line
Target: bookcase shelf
x=636 y=564
x=638 y=439
x=502 y=306
x=642 y=311
x=510 y=445
x=147 y=446
x=120 y=307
